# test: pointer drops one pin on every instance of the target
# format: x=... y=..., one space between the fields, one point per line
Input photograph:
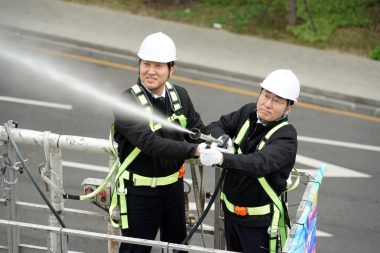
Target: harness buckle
x=181 y=171
x=120 y=191
x=273 y=232
x=240 y=210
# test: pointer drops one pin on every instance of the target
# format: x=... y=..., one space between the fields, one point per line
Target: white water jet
x=80 y=86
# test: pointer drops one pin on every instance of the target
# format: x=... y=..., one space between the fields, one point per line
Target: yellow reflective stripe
x=279 y=214
x=136 y=151
x=240 y=136
x=181 y=118
x=111 y=141
x=113 y=205
x=242 y=132
x=174 y=98
x=173 y=94
x=143 y=100
x=177 y=106
x=136 y=88
x=264 y=183
x=271 y=193
x=259 y=210
x=296 y=182
x=115 y=201
x=273 y=230
x=123 y=205
x=283 y=229
x=269 y=134
x=278 y=227
x=139 y=180
x=169 y=85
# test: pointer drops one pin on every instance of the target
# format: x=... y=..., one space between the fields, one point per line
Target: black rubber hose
x=205 y=212
x=71 y=196
x=10 y=137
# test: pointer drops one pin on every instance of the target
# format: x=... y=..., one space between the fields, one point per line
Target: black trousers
x=148 y=214
x=244 y=238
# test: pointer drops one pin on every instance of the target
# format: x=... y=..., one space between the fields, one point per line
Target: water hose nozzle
x=196 y=134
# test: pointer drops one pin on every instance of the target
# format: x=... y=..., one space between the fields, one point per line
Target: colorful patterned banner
x=302 y=237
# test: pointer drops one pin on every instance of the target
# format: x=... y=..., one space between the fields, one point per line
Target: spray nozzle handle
x=224 y=141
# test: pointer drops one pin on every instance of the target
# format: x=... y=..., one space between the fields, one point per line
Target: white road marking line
x=207 y=227
x=323 y=234
x=338 y=143
x=193 y=207
x=36 y=102
x=332 y=170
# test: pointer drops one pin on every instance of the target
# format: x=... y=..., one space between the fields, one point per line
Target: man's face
x=271 y=107
x=154 y=75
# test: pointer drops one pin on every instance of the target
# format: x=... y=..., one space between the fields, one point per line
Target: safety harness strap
x=176 y=105
x=139 y=180
x=119 y=192
x=278 y=219
x=278 y=224
x=241 y=134
x=242 y=211
x=173 y=97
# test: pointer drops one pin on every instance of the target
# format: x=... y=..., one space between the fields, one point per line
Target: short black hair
x=170 y=64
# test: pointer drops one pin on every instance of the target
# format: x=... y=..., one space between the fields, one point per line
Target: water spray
x=84 y=88
x=79 y=86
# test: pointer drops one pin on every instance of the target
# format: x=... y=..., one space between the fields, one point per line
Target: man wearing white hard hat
x=149 y=191
x=257 y=167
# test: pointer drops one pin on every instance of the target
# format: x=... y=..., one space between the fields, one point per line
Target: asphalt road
x=66 y=75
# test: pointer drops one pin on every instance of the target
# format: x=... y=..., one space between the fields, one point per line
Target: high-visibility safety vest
x=119 y=198
x=278 y=224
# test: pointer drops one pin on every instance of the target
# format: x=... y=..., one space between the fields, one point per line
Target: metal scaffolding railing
x=53 y=145
x=300 y=238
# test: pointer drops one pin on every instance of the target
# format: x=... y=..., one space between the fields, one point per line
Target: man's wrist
x=221 y=160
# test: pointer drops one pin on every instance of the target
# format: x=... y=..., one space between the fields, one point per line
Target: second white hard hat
x=157 y=47
x=283 y=83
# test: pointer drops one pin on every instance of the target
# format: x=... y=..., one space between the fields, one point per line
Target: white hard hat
x=157 y=47
x=283 y=83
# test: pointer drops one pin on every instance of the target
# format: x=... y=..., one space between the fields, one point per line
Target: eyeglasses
x=276 y=101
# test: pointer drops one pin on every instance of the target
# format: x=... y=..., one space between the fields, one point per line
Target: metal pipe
x=55 y=140
x=13 y=232
x=167 y=247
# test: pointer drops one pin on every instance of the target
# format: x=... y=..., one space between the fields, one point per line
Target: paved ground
x=324 y=73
